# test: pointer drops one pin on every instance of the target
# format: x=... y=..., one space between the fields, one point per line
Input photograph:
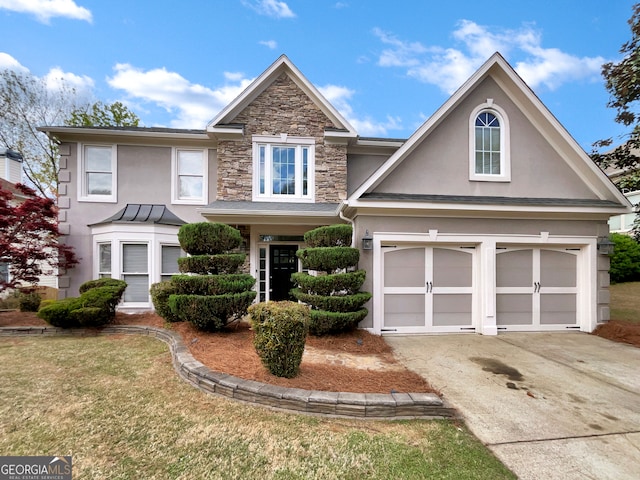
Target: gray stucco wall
x=440 y=164
x=144 y=176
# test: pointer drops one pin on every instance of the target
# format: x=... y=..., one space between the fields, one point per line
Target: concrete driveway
x=549 y=405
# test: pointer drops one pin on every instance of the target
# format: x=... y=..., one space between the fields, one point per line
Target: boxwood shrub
x=96 y=306
x=206 y=238
x=280 y=334
x=330 y=236
x=211 y=264
x=329 y=259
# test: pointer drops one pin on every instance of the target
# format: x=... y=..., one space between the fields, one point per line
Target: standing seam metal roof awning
x=144 y=213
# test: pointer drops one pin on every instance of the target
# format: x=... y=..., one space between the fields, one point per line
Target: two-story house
x=487 y=218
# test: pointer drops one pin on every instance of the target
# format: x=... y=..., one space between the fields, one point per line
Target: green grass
x=117 y=406
x=625 y=301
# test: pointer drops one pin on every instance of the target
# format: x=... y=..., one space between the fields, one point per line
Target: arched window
x=489 y=144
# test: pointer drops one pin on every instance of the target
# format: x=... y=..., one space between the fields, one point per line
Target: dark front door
x=283 y=263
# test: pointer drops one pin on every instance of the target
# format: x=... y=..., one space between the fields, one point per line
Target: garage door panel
x=557 y=269
x=404 y=310
x=514 y=309
x=452 y=268
x=558 y=309
x=405 y=268
x=452 y=310
x=514 y=269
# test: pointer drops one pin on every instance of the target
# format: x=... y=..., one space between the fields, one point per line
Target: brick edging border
x=296 y=400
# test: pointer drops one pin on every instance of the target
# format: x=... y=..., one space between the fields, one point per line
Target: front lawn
x=625 y=302
x=117 y=406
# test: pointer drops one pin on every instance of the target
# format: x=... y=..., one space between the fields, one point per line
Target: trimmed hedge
x=324 y=323
x=96 y=306
x=211 y=312
x=330 y=236
x=29 y=302
x=160 y=293
x=212 y=284
x=101 y=282
x=329 y=259
x=333 y=303
x=222 y=263
x=206 y=238
x=348 y=283
x=280 y=334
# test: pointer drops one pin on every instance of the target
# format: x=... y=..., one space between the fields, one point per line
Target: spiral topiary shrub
x=280 y=334
x=160 y=293
x=216 y=295
x=333 y=293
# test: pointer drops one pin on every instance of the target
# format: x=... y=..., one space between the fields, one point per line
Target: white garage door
x=428 y=289
x=536 y=288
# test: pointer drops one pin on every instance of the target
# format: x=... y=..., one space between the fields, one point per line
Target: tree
x=27 y=102
x=622 y=81
x=103 y=115
x=29 y=237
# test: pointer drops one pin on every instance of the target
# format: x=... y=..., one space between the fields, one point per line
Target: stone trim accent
x=294 y=400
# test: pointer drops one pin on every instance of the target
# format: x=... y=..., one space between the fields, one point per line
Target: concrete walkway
x=549 y=405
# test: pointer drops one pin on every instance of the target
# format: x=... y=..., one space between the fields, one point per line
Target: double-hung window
x=170 y=255
x=135 y=271
x=97 y=177
x=190 y=173
x=283 y=168
x=489 y=156
x=104 y=260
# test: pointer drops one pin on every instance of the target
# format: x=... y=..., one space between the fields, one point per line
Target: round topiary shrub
x=280 y=334
x=206 y=238
x=29 y=302
x=330 y=236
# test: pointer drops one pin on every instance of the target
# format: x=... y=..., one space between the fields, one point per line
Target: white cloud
x=448 y=68
x=194 y=105
x=56 y=78
x=7 y=62
x=339 y=97
x=270 y=8
x=44 y=10
x=272 y=44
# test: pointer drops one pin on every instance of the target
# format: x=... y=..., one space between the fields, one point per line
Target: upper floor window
x=283 y=168
x=190 y=172
x=489 y=144
x=97 y=167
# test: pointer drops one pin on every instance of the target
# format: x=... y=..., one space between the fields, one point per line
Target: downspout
x=343 y=205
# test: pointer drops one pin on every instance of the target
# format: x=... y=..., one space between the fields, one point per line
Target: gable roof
x=223 y=122
x=537 y=113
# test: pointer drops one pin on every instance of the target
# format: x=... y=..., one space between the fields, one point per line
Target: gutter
x=341 y=208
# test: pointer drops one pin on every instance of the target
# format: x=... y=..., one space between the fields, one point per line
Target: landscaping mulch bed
x=619 y=331
x=232 y=352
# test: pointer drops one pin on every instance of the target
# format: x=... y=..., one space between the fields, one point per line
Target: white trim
x=269 y=141
x=175 y=177
x=83 y=196
x=155 y=236
x=505 y=143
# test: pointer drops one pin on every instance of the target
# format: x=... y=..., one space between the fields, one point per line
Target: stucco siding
x=440 y=163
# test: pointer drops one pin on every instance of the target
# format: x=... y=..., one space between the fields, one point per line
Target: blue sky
x=387 y=66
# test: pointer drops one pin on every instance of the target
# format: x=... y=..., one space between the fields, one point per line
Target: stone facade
x=282 y=108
